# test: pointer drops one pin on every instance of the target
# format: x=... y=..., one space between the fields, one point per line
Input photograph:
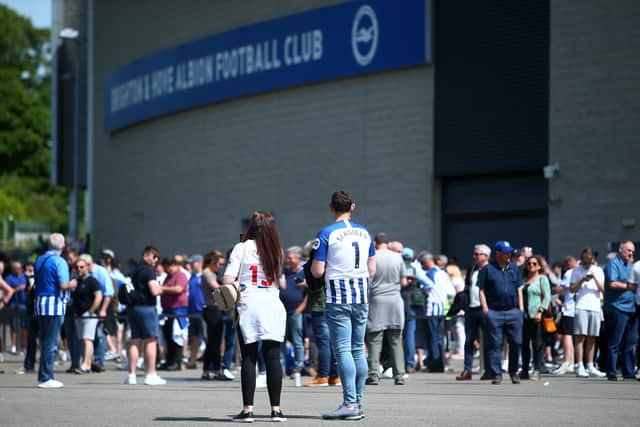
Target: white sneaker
x=131 y=379
x=51 y=384
x=596 y=372
x=13 y=350
x=388 y=373
x=110 y=355
x=140 y=364
x=154 y=379
x=505 y=366
x=581 y=373
x=228 y=374
x=261 y=381
x=563 y=369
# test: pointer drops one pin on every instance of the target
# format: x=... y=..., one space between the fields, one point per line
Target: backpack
x=128 y=294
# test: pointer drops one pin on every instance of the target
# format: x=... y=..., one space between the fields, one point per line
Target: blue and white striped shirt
x=346 y=248
x=51 y=271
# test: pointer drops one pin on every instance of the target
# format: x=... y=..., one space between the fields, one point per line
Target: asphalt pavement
x=101 y=399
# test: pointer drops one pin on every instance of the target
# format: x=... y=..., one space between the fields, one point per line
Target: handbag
x=548 y=322
x=227 y=296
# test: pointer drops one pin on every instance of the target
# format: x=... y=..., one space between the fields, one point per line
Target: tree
x=25 y=123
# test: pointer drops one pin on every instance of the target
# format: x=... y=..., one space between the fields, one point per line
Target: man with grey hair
x=437 y=288
x=473 y=318
x=620 y=309
x=294 y=298
x=52 y=293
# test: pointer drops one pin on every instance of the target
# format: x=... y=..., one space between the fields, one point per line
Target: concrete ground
x=426 y=399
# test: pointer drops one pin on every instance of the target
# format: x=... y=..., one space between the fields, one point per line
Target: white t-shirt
x=262 y=315
x=588 y=296
x=569 y=303
x=635 y=278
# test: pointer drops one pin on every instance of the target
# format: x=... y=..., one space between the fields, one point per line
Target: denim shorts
x=143 y=320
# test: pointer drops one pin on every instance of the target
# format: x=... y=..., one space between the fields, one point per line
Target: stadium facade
x=451 y=122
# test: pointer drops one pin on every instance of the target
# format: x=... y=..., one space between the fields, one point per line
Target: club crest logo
x=364 y=35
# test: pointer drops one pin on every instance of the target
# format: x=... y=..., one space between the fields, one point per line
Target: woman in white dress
x=257 y=263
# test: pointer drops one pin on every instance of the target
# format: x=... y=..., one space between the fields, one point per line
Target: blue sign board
x=333 y=42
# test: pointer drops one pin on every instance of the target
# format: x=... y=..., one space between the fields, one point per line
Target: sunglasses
x=533 y=264
x=477 y=254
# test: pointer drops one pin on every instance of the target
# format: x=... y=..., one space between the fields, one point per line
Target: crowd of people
x=345 y=308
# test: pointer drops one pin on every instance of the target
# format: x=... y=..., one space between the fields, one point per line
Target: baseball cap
x=407 y=253
x=503 y=246
x=195 y=258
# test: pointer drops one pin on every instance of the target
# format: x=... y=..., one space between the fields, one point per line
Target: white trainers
x=261 y=381
x=596 y=372
x=154 y=379
x=110 y=355
x=563 y=369
x=388 y=373
x=131 y=379
x=505 y=366
x=51 y=384
x=228 y=374
x=581 y=372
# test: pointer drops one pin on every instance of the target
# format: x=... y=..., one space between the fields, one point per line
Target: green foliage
x=25 y=124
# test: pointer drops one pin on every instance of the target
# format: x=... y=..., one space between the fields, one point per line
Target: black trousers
x=531 y=339
x=271 y=355
x=174 y=351
x=211 y=359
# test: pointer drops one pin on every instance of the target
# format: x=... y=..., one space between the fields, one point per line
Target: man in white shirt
x=587 y=282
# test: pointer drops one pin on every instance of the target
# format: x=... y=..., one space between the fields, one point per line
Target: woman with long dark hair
x=257 y=263
x=537 y=295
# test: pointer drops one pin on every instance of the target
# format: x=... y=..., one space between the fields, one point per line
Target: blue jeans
x=473 y=322
x=74 y=344
x=294 y=334
x=435 y=361
x=347 y=325
x=229 y=341
x=49 y=335
x=327 y=366
x=623 y=334
x=100 y=345
x=498 y=324
x=409 y=335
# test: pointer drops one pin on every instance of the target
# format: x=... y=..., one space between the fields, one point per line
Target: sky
x=39 y=11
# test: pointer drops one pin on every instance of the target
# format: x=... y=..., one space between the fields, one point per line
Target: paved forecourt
x=426 y=399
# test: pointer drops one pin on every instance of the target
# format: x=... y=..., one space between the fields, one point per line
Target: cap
x=503 y=246
x=108 y=252
x=195 y=258
x=407 y=253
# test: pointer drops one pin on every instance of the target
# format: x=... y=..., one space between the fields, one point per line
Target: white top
x=262 y=315
x=588 y=296
x=474 y=291
x=635 y=278
x=569 y=303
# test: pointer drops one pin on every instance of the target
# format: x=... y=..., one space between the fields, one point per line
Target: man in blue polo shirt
x=620 y=309
x=501 y=299
x=52 y=293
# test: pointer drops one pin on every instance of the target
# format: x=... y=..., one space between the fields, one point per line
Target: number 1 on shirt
x=356 y=247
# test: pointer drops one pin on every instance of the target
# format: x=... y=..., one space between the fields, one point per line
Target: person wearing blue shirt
x=196 y=304
x=52 y=293
x=345 y=255
x=502 y=305
x=18 y=282
x=294 y=298
x=620 y=309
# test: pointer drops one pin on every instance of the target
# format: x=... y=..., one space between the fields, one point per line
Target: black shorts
x=566 y=325
x=196 y=328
